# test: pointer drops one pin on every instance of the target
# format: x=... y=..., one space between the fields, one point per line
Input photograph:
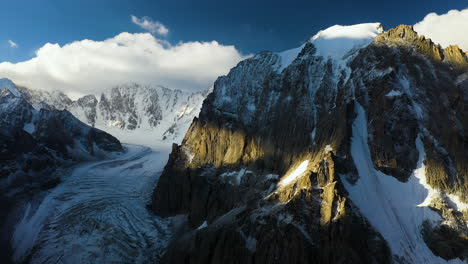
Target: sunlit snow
x=298 y=172
x=338 y=41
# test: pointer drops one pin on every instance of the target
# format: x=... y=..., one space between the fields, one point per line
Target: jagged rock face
x=129 y=105
x=163 y=113
x=406 y=36
x=263 y=173
x=87 y=104
x=427 y=99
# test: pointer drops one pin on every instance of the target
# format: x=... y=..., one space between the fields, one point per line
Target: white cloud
x=447 y=29
x=148 y=24
x=89 y=67
x=12 y=44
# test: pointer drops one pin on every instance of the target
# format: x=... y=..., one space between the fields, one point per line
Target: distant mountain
x=35 y=144
x=349 y=149
x=55 y=135
x=134 y=113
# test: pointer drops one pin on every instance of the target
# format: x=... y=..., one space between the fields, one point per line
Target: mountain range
x=133 y=112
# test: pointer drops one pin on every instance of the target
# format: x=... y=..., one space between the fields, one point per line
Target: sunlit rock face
x=306 y=156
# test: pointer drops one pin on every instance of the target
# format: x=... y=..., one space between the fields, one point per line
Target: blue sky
x=250 y=26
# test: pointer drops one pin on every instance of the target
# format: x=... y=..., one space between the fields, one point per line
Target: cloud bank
x=89 y=67
x=12 y=44
x=447 y=29
x=148 y=24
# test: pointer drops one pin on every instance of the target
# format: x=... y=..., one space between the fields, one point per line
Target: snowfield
x=395 y=209
x=98 y=214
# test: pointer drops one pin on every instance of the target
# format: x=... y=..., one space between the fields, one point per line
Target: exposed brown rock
x=404 y=35
x=455 y=56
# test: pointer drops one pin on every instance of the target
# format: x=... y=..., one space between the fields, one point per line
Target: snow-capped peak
x=338 y=41
x=10 y=86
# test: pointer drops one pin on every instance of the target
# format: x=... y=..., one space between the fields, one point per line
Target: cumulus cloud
x=12 y=44
x=148 y=24
x=89 y=67
x=446 y=29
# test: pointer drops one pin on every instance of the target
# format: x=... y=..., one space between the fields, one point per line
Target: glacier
x=98 y=214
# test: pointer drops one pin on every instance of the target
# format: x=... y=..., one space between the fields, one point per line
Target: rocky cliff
x=348 y=149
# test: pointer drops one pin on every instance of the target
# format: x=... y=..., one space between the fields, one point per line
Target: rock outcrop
x=405 y=36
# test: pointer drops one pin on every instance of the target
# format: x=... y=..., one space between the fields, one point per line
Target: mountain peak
x=455 y=56
x=10 y=86
x=404 y=35
x=349 y=31
x=338 y=41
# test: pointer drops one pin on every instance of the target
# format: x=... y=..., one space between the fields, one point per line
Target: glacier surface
x=98 y=214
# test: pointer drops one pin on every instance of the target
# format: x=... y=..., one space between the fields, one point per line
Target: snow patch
x=29 y=127
x=312 y=135
x=294 y=175
x=251 y=243
x=185 y=110
x=461 y=78
x=284 y=218
x=287 y=57
x=395 y=209
x=394 y=93
x=304 y=233
x=459 y=205
x=328 y=149
x=115 y=123
x=188 y=154
x=203 y=225
x=234 y=177
x=271 y=176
